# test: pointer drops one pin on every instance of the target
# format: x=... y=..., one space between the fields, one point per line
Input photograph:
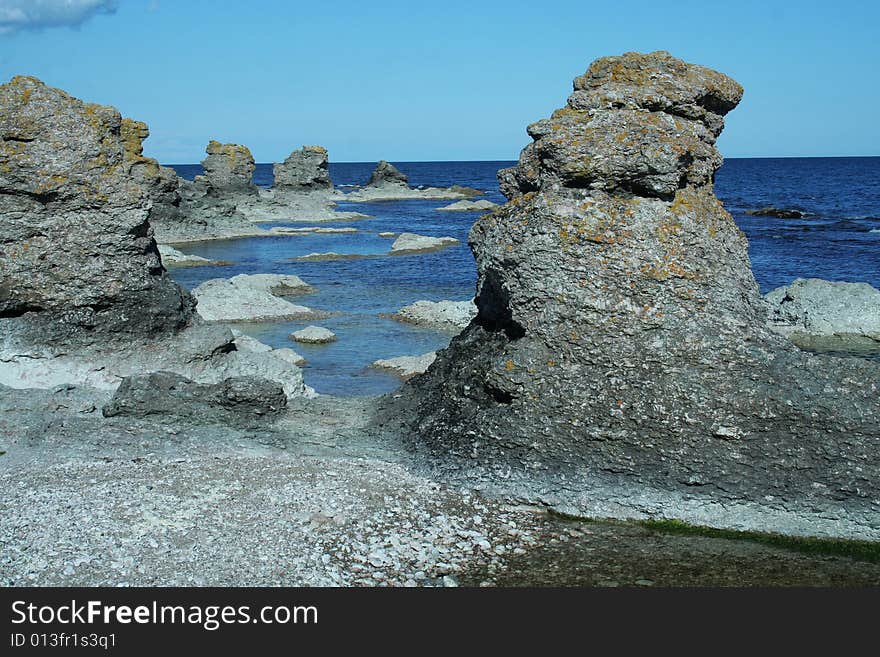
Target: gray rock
x=406 y=366
x=78 y=262
x=229 y=168
x=305 y=170
x=779 y=213
x=469 y=206
x=206 y=353
x=251 y=297
x=620 y=362
x=240 y=401
x=413 y=243
x=313 y=335
x=289 y=355
x=386 y=173
x=448 y=315
x=812 y=309
x=173 y=257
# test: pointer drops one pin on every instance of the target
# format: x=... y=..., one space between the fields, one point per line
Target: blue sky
x=446 y=80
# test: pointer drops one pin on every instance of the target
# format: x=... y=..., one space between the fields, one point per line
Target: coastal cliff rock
x=305 y=170
x=79 y=263
x=210 y=205
x=386 y=173
x=620 y=362
x=84 y=298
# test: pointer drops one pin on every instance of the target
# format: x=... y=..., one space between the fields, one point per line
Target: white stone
x=313 y=335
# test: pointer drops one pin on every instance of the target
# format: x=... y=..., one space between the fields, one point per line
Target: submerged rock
x=448 y=315
x=406 y=366
x=251 y=298
x=779 y=213
x=78 y=262
x=413 y=243
x=313 y=335
x=240 y=401
x=620 y=362
x=812 y=311
x=469 y=206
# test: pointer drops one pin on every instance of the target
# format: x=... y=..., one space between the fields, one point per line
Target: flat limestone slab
x=251 y=298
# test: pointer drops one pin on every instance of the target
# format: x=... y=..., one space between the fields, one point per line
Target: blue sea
x=838 y=240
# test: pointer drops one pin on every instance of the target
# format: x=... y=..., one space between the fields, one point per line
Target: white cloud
x=17 y=15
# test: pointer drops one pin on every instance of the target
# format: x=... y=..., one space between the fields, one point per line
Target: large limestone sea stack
x=620 y=363
x=78 y=263
x=84 y=298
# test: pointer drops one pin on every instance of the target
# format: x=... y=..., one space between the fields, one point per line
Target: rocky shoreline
x=616 y=362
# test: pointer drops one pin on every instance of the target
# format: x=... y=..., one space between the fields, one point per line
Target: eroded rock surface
x=620 y=362
x=304 y=170
x=84 y=299
x=78 y=262
x=240 y=401
x=386 y=173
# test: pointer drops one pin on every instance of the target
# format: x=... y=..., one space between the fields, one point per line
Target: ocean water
x=839 y=240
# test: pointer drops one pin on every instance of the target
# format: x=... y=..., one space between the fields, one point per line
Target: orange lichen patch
x=133 y=133
x=669 y=268
x=509 y=365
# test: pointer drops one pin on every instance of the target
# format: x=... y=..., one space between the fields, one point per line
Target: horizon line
x=737 y=157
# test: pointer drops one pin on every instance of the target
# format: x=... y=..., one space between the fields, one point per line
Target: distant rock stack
x=78 y=263
x=304 y=170
x=386 y=173
x=160 y=183
x=229 y=169
x=620 y=362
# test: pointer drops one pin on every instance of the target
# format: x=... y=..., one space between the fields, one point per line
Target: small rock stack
x=304 y=170
x=621 y=338
x=385 y=174
x=229 y=168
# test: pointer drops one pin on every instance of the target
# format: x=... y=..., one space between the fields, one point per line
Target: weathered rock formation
x=229 y=168
x=241 y=401
x=620 y=362
x=388 y=183
x=386 y=173
x=79 y=263
x=812 y=312
x=210 y=205
x=84 y=298
x=305 y=170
